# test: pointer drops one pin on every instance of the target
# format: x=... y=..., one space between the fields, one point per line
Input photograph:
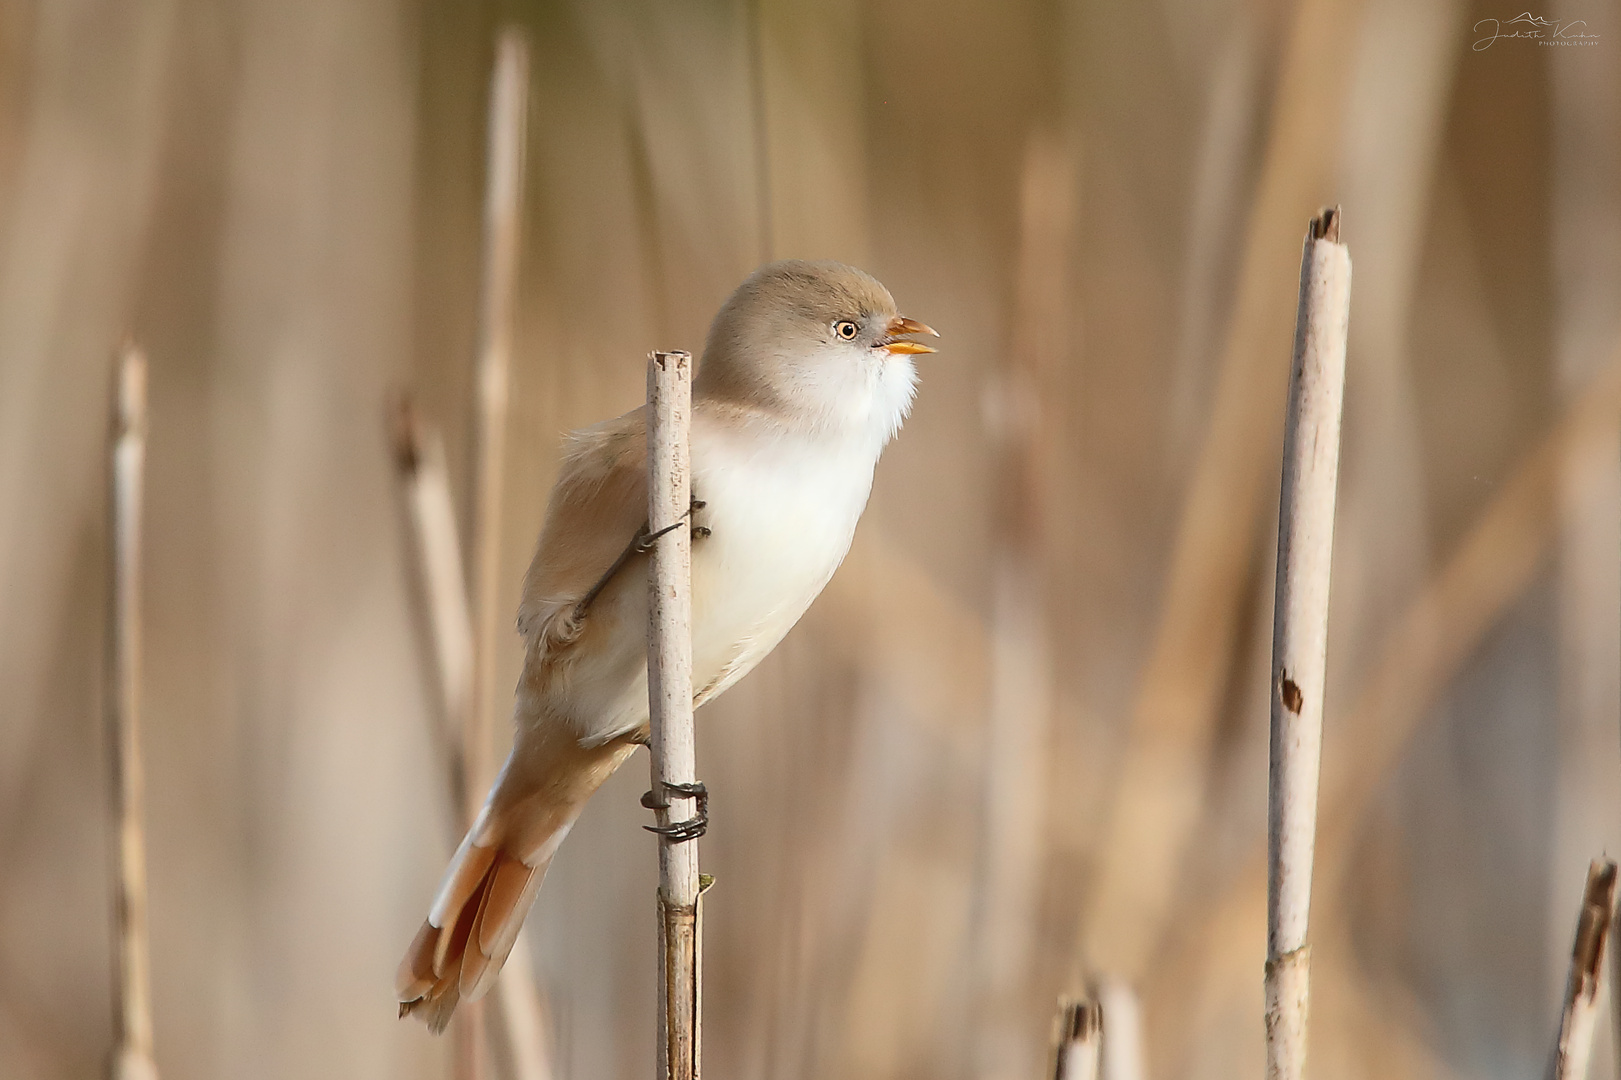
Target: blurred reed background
x=1021 y=741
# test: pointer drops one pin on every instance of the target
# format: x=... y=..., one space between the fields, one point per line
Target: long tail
x=496 y=872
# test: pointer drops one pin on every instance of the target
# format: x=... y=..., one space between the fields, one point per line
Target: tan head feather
x=810 y=341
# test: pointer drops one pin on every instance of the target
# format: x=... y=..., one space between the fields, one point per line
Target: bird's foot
x=679 y=832
x=644 y=540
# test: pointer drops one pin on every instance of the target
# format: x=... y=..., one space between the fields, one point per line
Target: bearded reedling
x=806 y=375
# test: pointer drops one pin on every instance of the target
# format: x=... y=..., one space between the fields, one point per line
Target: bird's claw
x=645 y=539
x=679 y=832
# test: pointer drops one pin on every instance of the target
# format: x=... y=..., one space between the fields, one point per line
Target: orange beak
x=899 y=325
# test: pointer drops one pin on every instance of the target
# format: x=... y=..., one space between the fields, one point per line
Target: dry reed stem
x=1077 y=1039
x=503 y=201
x=1311 y=464
x=132 y=1057
x=1428 y=643
x=1123 y=1057
x=1580 y=1014
x=1615 y=985
x=503 y=195
x=425 y=486
x=1161 y=779
x=419 y=461
x=669 y=688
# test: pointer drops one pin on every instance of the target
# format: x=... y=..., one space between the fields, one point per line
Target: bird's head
x=819 y=343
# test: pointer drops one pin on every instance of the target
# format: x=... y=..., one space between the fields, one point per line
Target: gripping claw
x=679 y=832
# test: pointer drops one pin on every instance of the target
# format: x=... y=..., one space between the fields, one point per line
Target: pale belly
x=780 y=523
x=780 y=517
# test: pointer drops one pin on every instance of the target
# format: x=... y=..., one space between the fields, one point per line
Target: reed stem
x=669 y=686
x=132 y=986
x=1311 y=453
x=1077 y=1039
x=1580 y=1014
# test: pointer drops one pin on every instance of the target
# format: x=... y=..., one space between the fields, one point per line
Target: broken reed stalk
x=1580 y=1014
x=1078 y=1039
x=419 y=459
x=132 y=984
x=669 y=692
x=503 y=199
x=1311 y=449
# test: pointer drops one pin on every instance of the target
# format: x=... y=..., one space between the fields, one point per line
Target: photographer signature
x=1533 y=27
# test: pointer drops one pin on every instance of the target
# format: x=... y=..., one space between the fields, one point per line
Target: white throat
x=856 y=395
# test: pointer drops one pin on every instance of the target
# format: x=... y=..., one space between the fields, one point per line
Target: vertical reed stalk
x=1078 y=1040
x=1580 y=1014
x=669 y=686
x=1123 y=1056
x=132 y=985
x=419 y=461
x=1311 y=447
x=1615 y=986
x=502 y=217
x=425 y=487
x=503 y=198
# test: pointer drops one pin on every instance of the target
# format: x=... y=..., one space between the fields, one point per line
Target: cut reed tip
x=404 y=433
x=129 y=411
x=1326 y=225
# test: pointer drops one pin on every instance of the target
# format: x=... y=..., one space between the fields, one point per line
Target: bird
x=806 y=374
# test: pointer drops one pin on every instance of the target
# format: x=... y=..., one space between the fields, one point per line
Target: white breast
x=781 y=509
x=781 y=512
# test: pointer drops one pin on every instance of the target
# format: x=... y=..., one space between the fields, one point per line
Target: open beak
x=900 y=324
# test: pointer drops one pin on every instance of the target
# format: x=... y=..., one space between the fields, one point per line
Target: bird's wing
x=596 y=509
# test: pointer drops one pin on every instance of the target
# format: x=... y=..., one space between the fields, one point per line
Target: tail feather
x=464 y=881
x=473 y=961
x=446 y=964
x=497 y=870
x=415 y=977
x=508 y=882
x=495 y=929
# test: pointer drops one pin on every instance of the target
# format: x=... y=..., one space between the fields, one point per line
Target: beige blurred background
x=1021 y=741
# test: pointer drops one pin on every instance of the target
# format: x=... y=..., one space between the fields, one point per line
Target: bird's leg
x=679 y=832
x=644 y=539
x=640 y=544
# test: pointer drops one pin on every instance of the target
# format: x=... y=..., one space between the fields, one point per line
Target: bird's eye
x=845 y=329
